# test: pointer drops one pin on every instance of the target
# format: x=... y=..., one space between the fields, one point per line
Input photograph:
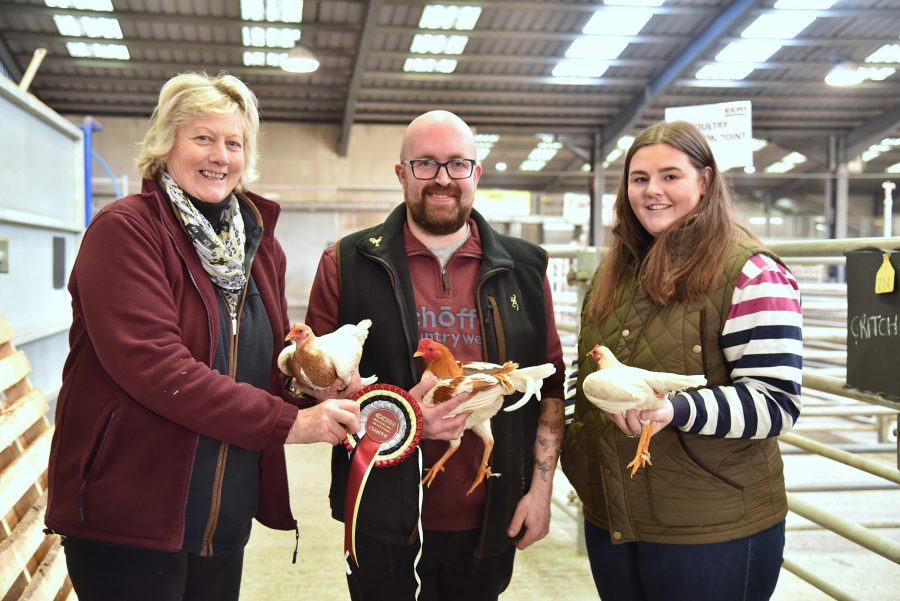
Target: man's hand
x=435 y=423
x=329 y=421
x=532 y=519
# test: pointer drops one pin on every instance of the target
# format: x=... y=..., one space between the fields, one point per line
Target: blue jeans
x=745 y=569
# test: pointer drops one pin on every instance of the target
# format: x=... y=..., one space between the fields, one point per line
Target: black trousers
x=448 y=569
x=104 y=572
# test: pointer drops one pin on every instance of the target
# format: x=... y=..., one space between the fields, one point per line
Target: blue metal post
x=88 y=127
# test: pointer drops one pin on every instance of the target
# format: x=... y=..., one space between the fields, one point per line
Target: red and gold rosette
x=390 y=429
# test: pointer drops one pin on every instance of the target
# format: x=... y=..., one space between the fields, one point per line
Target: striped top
x=763 y=345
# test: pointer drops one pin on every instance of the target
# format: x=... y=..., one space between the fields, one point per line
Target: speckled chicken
x=487 y=384
x=615 y=388
x=317 y=361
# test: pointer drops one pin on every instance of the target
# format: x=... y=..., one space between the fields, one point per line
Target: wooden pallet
x=32 y=564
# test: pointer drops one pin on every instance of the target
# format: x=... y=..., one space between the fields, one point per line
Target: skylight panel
x=748 y=51
x=96 y=50
x=625 y=142
x=580 y=68
x=99 y=5
x=889 y=53
x=597 y=47
x=756 y=144
x=276 y=11
x=895 y=168
x=540 y=155
x=484 y=143
x=544 y=151
x=788 y=162
x=90 y=27
x=614 y=154
x=259 y=58
x=618 y=21
x=876 y=73
x=876 y=150
x=761 y=38
x=442 y=16
x=429 y=65
x=633 y=2
x=781 y=25
x=531 y=165
x=805 y=4
x=429 y=43
x=270 y=37
x=734 y=71
x=272 y=11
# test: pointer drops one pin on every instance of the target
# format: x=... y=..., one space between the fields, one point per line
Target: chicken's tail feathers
x=528 y=380
x=365 y=324
x=369 y=380
x=676 y=382
x=691 y=382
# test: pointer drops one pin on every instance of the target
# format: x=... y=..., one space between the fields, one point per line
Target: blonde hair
x=188 y=96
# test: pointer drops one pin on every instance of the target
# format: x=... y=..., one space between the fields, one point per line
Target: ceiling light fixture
x=300 y=59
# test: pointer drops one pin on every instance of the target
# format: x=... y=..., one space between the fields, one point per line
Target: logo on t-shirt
x=452 y=327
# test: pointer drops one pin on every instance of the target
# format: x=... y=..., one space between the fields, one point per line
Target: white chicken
x=615 y=388
x=317 y=361
x=487 y=384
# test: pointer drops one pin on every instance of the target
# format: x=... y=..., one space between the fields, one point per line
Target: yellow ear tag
x=884 y=279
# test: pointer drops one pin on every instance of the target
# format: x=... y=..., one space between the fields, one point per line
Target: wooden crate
x=32 y=564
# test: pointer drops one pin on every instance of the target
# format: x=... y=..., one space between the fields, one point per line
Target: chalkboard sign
x=873 y=325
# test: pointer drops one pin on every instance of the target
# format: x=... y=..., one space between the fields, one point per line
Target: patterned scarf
x=222 y=254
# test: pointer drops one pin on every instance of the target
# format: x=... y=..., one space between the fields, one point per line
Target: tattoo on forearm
x=553 y=425
x=545 y=467
x=546 y=443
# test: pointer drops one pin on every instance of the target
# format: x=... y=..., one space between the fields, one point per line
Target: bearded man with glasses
x=436 y=269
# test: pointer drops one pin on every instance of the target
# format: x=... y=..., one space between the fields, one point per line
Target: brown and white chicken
x=317 y=361
x=615 y=388
x=487 y=384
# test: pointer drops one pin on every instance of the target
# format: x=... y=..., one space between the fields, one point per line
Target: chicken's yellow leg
x=642 y=455
x=485 y=470
x=432 y=472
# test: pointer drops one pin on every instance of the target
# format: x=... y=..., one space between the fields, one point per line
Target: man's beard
x=437 y=220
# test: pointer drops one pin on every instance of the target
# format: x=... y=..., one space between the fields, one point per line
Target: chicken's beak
x=288 y=337
x=418 y=354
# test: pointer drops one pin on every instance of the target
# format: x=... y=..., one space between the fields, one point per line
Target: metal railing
x=827 y=345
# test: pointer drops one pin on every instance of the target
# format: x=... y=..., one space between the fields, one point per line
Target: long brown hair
x=685 y=260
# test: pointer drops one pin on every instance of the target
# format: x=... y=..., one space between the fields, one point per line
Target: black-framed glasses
x=429 y=168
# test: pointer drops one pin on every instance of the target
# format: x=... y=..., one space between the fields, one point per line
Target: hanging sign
x=728 y=127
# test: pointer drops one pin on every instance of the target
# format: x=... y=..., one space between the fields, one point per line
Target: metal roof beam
x=559 y=7
x=872 y=131
x=486 y=107
x=59 y=81
x=9 y=62
x=556 y=7
x=126 y=16
x=370 y=18
x=171 y=66
x=37 y=39
x=512 y=97
x=720 y=25
x=492 y=78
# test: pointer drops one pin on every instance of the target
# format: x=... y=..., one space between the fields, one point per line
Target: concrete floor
x=552 y=568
